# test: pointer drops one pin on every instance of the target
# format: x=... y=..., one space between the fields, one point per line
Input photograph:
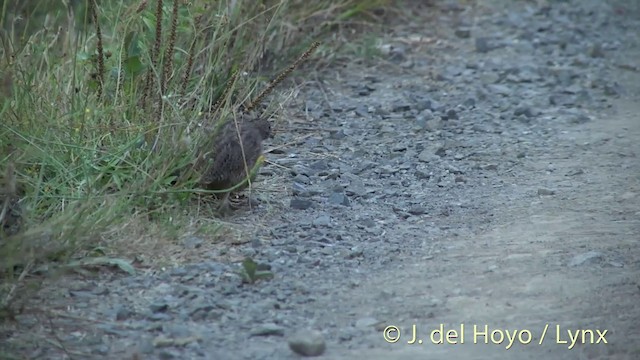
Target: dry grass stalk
x=168 y=58
x=93 y=8
x=142 y=6
x=192 y=52
x=218 y=104
x=155 y=54
x=282 y=76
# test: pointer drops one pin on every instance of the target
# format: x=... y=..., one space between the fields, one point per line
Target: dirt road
x=484 y=172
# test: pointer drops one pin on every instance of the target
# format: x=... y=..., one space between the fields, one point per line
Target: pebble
x=193 y=242
x=483 y=45
x=463 y=33
x=589 y=257
x=123 y=313
x=417 y=210
x=308 y=343
x=546 y=192
x=338 y=198
x=269 y=329
x=322 y=221
x=300 y=204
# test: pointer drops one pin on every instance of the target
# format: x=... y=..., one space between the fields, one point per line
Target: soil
x=482 y=173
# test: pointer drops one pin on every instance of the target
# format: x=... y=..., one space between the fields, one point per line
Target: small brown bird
x=236 y=151
x=10 y=209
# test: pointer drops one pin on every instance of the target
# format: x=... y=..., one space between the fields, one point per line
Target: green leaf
x=132 y=44
x=250 y=267
x=133 y=65
x=251 y=272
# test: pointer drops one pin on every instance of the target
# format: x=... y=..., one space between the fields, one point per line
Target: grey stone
x=193 y=242
x=300 y=204
x=483 y=45
x=308 y=343
x=546 y=192
x=322 y=221
x=588 y=257
x=417 y=210
x=452 y=114
x=123 y=313
x=268 y=329
x=463 y=33
x=159 y=307
x=338 y=198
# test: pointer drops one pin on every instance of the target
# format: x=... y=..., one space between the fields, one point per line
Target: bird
x=237 y=153
x=10 y=210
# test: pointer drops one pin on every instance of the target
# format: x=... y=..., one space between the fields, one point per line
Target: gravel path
x=485 y=172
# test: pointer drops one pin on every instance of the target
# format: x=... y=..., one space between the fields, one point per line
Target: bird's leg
x=224 y=206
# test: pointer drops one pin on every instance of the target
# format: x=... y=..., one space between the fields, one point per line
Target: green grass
x=101 y=149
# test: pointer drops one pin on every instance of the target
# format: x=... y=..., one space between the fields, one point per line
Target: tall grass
x=105 y=106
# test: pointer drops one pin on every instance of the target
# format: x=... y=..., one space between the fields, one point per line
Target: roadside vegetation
x=106 y=105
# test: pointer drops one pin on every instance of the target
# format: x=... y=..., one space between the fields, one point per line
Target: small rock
x=268 y=329
x=463 y=33
x=339 y=198
x=453 y=170
x=366 y=322
x=616 y=264
x=337 y=135
x=545 y=192
x=302 y=179
x=159 y=317
x=575 y=172
x=452 y=114
x=389 y=169
x=193 y=242
x=500 y=89
x=613 y=89
x=524 y=110
x=162 y=341
x=319 y=165
x=399 y=147
x=401 y=107
x=356 y=185
x=434 y=125
x=578 y=118
x=322 y=221
x=433 y=151
x=423 y=117
x=308 y=343
x=427 y=156
x=588 y=257
x=469 y=103
x=596 y=51
x=417 y=210
x=123 y=313
x=299 y=189
x=422 y=175
x=300 y=170
x=300 y=204
x=158 y=307
x=166 y=355
x=483 y=45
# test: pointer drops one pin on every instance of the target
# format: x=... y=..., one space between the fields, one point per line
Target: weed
x=251 y=272
x=103 y=109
